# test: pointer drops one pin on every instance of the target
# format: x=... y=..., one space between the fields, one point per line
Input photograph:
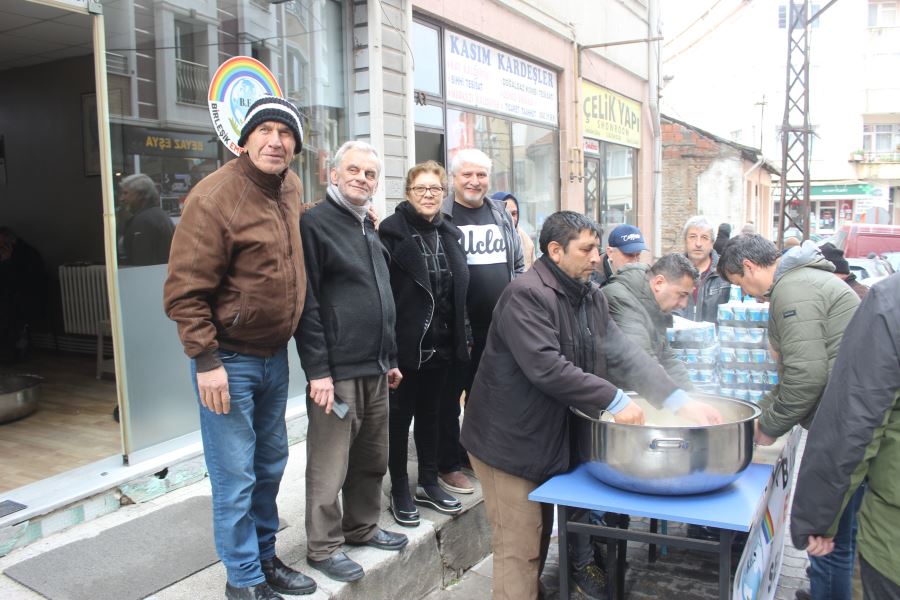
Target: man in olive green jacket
x=808 y=312
x=641 y=300
x=809 y=309
x=856 y=437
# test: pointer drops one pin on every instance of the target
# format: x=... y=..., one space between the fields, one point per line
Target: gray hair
x=675 y=267
x=747 y=246
x=355 y=145
x=470 y=156
x=698 y=222
x=143 y=187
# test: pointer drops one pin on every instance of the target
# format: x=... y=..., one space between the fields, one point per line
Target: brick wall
x=686 y=154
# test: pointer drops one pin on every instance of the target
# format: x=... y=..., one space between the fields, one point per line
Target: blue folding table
x=730 y=509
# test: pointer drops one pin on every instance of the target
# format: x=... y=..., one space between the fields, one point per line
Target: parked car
x=865 y=268
x=860 y=240
x=893 y=258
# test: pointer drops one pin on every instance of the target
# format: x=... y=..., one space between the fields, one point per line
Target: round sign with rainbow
x=235 y=86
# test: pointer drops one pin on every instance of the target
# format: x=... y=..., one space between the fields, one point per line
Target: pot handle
x=669 y=444
x=594 y=419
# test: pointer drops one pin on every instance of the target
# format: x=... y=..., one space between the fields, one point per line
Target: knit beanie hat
x=836 y=256
x=272 y=108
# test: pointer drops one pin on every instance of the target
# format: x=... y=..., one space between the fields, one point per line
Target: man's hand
x=213 y=387
x=321 y=391
x=631 y=414
x=373 y=214
x=760 y=438
x=394 y=378
x=819 y=545
x=700 y=413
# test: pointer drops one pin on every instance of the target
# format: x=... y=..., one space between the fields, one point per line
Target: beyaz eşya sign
x=484 y=77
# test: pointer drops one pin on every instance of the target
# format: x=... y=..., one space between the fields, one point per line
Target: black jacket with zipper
x=412 y=291
x=517 y=419
x=347 y=327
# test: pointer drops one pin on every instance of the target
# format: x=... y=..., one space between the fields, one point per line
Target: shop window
x=883 y=13
x=304 y=49
x=525 y=160
x=609 y=186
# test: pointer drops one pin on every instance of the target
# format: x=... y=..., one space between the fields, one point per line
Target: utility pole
x=795 y=129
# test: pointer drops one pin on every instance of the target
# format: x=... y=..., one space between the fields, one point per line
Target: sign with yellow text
x=609 y=116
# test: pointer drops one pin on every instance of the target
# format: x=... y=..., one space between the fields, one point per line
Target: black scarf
x=582 y=335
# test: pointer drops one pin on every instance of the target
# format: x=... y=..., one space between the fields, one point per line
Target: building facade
x=96 y=91
x=704 y=174
x=726 y=73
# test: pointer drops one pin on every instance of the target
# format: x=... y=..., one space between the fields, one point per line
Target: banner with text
x=609 y=116
x=756 y=577
x=484 y=77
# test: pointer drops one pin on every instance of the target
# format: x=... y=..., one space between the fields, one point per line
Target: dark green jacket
x=808 y=312
x=856 y=436
x=633 y=307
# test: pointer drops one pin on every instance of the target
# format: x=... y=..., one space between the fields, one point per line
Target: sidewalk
x=682 y=574
x=440 y=550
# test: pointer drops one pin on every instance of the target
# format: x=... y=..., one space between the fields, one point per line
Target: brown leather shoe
x=456 y=482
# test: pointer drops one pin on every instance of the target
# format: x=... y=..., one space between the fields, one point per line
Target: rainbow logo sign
x=768 y=527
x=238 y=82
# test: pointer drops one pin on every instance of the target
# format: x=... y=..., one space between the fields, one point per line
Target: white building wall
x=720 y=191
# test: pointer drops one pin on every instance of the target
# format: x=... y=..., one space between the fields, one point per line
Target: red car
x=860 y=240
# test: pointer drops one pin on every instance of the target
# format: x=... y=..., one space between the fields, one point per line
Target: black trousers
x=875 y=585
x=419 y=396
x=450 y=454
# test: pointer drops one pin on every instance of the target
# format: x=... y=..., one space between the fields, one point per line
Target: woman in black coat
x=429 y=281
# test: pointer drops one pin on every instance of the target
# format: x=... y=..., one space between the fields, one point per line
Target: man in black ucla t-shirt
x=494 y=256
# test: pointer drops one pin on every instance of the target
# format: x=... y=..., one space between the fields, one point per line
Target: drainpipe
x=376 y=98
x=653 y=82
x=757 y=205
x=409 y=88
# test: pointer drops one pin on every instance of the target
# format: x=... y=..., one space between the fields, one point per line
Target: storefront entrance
x=56 y=319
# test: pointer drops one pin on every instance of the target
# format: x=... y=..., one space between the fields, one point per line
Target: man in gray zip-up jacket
x=494 y=257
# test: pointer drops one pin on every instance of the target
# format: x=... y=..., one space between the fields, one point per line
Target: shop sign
x=591 y=147
x=758 y=570
x=481 y=76
x=139 y=140
x=609 y=116
x=854 y=189
x=238 y=82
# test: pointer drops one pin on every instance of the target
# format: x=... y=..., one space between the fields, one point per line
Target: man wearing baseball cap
x=624 y=246
x=236 y=288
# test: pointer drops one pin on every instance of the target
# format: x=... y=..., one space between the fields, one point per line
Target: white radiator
x=84 y=299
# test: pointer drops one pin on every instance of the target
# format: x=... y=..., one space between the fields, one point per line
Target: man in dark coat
x=148 y=233
x=551 y=345
x=712 y=289
x=854 y=438
x=348 y=351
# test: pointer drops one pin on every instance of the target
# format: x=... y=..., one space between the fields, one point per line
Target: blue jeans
x=831 y=576
x=246 y=452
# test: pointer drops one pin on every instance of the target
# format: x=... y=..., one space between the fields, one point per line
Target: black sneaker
x=434 y=497
x=590 y=582
x=403 y=509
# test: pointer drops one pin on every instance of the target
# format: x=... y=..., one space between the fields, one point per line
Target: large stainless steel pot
x=670 y=460
x=19 y=396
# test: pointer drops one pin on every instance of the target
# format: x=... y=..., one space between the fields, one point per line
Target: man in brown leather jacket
x=236 y=289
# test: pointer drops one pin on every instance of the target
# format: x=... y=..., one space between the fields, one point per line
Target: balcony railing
x=192 y=82
x=876 y=157
x=116 y=63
